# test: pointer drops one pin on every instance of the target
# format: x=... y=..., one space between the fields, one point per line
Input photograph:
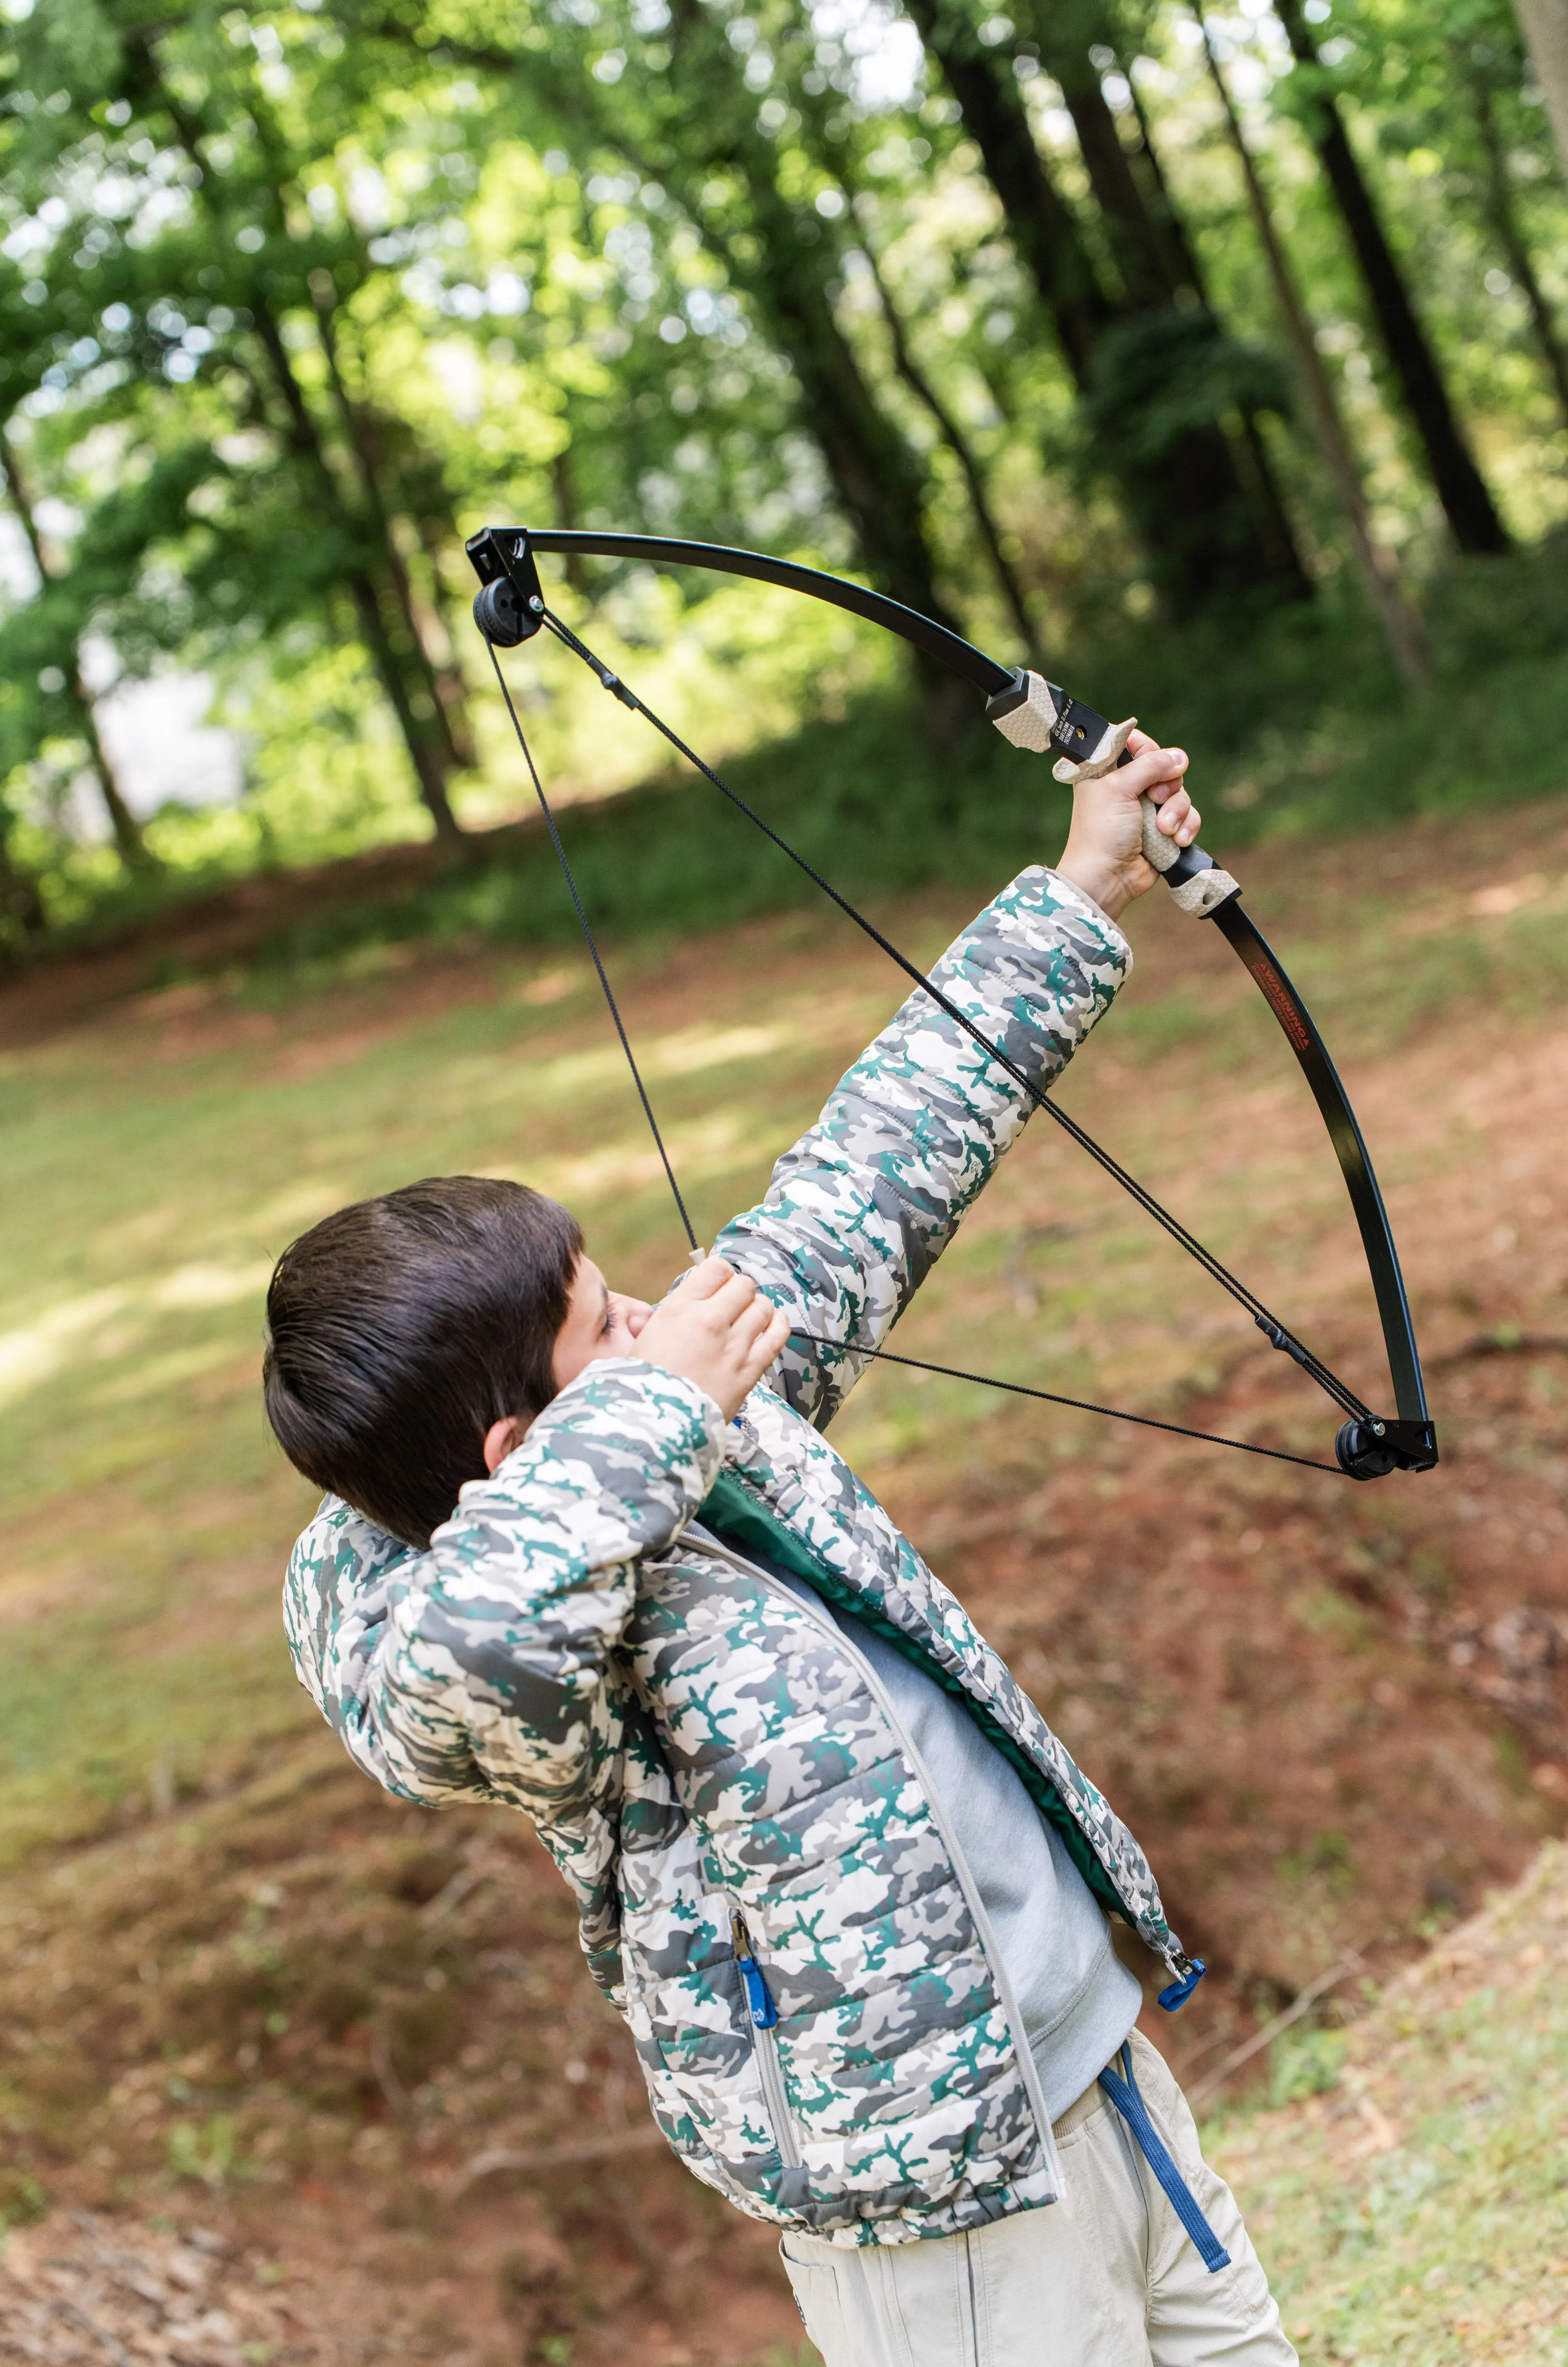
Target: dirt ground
x=309 y=2076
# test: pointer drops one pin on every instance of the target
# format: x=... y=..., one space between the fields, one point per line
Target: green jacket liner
x=687 y=1739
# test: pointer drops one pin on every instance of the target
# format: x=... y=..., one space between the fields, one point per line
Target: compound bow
x=511 y=607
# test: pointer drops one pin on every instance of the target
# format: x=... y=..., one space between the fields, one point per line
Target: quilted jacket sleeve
x=481 y=1668
x=859 y=1211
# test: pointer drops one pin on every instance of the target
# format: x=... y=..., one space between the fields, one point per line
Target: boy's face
x=599 y=1322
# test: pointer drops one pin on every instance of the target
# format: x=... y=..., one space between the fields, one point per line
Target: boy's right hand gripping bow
x=1034 y=714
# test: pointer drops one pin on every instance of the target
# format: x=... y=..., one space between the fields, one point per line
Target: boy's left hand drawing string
x=1037 y=715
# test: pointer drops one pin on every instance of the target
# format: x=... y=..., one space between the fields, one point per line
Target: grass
x=1412 y=2207
x=867 y=799
x=1294 y=724
x=153 y=1170
x=162 y=1777
x=151 y=1186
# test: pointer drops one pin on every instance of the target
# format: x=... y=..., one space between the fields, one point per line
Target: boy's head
x=404 y=1333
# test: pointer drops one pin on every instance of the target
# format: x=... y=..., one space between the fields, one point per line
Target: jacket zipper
x=764 y=2016
x=817 y=1611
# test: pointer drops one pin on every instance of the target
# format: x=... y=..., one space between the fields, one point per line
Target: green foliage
x=1293 y=735
x=22 y=2200
x=292 y=297
x=1160 y=375
x=1304 y=2063
x=207 y=2154
x=1434 y=2231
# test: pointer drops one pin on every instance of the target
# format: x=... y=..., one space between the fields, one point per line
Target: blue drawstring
x=1125 y=2094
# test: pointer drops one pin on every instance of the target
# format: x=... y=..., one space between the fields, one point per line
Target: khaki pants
x=1107 y=2277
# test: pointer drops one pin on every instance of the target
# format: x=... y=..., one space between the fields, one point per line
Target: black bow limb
x=511 y=607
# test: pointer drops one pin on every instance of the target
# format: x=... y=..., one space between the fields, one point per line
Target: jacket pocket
x=764 y=2015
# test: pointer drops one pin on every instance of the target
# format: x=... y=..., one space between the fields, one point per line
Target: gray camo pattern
x=685 y=1736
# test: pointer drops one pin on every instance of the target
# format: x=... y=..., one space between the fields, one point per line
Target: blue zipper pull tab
x=1189 y=1971
x=765 y=2013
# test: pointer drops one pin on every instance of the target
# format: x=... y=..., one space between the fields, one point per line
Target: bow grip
x=1037 y=715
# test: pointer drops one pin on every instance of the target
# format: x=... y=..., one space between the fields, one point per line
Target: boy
x=847 y=1888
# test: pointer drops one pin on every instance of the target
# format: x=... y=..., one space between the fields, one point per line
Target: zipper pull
x=765 y=2013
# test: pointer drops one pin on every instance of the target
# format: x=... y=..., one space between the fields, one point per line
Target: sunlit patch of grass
x=150 y=1183
x=144 y=1690
x=1409 y=2204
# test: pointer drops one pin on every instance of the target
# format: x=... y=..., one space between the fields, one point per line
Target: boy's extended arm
x=482 y=1666
x=859 y=1211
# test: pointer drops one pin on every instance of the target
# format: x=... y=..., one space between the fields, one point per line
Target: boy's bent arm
x=859 y=1211
x=481 y=1668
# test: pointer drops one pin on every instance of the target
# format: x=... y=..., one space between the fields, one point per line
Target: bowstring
x=885 y=1355
x=609 y=992
x=1267 y=1322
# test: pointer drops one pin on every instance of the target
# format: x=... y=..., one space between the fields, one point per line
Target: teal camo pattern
x=687 y=1737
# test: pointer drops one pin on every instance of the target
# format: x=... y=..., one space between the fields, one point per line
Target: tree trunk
x=563 y=484
x=1544 y=23
x=1182 y=266
x=450 y=618
x=441 y=686
x=1171 y=256
x=963 y=451
x=1188 y=505
x=874 y=472
x=1375 y=566
x=878 y=480
x=21 y=905
x=1167 y=233
x=1065 y=33
x=786 y=265
x=133 y=848
x=1503 y=215
x=1044 y=231
x=134 y=852
x=428 y=750
x=1461 y=488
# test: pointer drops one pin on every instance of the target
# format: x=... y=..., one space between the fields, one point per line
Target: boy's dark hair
x=401 y=1329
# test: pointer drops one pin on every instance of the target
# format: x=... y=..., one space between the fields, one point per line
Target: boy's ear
x=502 y=1438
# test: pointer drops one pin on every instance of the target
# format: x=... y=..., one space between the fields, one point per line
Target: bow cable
x=1080 y=1405
x=883 y=1355
x=1278 y=1332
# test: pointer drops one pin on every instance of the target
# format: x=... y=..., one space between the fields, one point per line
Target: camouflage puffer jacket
x=598 y=1638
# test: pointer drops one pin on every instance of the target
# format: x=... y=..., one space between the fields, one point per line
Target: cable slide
x=511 y=607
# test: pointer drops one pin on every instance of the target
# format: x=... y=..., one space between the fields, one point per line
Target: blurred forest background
x=1221 y=361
